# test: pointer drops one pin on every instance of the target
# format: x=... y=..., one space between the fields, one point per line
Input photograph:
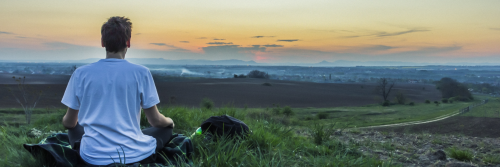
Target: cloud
x=218 y=39
x=138 y=33
x=352 y=36
x=496 y=29
x=386 y=34
x=20 y=37
x=287 y=40
x=184 y=41
x=173 y=47
x=4 y=32
x=202 y=38
x=272 y=45
x=220 y=43
x=233 y=50
x=158 y=44
x=262 y=37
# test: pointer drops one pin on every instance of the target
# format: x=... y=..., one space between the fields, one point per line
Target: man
x=104 y=102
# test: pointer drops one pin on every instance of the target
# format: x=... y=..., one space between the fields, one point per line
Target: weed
x=322 y=115
x=288 y=111
x=207 y=103
x=491 y=159
x=461 y=155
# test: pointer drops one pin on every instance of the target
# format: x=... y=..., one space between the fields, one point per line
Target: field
x=304 y=137
x=244 y=92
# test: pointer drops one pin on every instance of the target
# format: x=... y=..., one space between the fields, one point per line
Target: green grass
x=461 y=155
x=490 y=109
x=272 y=142
x=378 y=115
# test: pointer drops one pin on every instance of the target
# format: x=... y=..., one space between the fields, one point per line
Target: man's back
x=109 y=95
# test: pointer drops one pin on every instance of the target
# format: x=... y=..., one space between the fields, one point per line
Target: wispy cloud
x=352 y=36
x=202 y=38
x=272 y=45
x=184 y=41
x=21 y=37
x=262 y=36
x=233 y=50
x=5 y=32
x=218 y=39
x=496 y=29
x=138 y=33
x=158 y=44
x=220 y=43
x=386 y=34
x=287 y=40
x=173 y=47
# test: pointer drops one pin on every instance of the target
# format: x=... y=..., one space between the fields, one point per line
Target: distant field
x=250 y=92
x=491 y=110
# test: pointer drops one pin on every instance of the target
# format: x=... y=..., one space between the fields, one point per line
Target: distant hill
x=174 y=62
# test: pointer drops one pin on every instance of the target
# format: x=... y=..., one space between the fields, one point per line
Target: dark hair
x=115 y=33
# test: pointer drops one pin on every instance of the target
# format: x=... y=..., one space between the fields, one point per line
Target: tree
x=257 y=74
x=384 y=87
x=26 y=97
x=451 y=88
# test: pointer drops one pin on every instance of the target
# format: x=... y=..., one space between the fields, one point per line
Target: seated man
x=104 y=102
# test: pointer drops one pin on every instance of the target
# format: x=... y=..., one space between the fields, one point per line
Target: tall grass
x=271 y=142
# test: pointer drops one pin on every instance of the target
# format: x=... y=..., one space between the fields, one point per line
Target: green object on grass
x=198 y=131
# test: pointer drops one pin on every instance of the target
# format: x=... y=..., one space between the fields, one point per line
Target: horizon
x=278 y=32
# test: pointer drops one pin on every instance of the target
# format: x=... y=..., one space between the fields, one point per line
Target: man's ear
x=102 y=43
x=128 y=43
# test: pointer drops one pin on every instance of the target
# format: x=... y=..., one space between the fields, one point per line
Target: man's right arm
x=156 y=119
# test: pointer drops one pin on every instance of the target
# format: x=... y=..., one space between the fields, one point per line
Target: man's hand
x=156 y=119
x=70 y=119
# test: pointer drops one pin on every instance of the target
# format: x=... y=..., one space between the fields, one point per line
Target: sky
x=278 y=31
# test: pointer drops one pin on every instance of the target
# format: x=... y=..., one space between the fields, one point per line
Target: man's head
x=116 y=33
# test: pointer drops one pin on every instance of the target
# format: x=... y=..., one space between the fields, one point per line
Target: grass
x=272 y=143
x=461 y=155
x=491 y=109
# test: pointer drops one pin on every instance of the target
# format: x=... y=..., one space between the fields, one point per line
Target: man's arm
x=156 y=119
x=70 y=119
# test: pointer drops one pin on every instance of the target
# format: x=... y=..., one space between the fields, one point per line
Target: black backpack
x=224 y=125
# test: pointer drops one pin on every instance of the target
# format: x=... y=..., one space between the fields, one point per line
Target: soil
x=238 y=92
x=469 y=126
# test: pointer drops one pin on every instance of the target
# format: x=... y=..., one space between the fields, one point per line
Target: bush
x=436 y=102
x=322 y=115
x=307 y=118
x=427 y=101
x=461 y=155
x=444 y=100
x=267 y=84
x=452 y=88
x=276 y=110
x=257 y=74
x=207 y=103
x=411 y=104
x=321 y=133
x=400 y=98
x=288 y=111
x=386 y=103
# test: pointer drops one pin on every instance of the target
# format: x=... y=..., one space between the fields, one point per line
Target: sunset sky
x=277 y=31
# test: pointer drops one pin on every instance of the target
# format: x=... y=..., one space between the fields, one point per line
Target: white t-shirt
x=109 y=94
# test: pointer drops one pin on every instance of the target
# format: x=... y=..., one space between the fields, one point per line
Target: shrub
x=267 y=84
x=386 y=103
x=436 y=102
x=288 y=111
x=400 y=98
x=308 y=118
x=257 y=74
x=444 y=100
x=277 y=110
x=411 y=104
x=461 y=155
x=427 y=101
x=207 y=103
x=321 y=133
x=322 y=115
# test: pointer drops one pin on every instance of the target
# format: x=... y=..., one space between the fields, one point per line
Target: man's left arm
x=70 y=119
